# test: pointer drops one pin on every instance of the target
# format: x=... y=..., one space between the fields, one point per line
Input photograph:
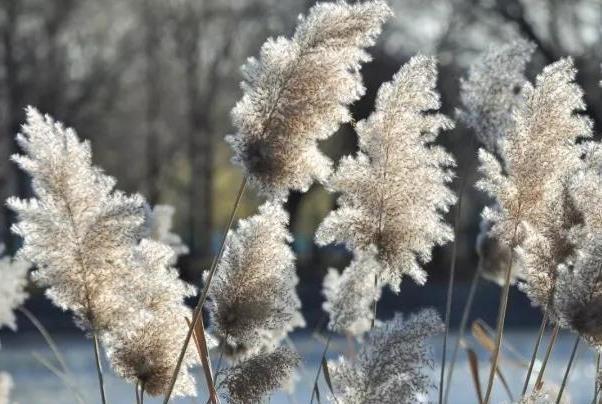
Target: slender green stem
x=501 y=319
x=462 y=330
x=101 y=384
x=568 y=369
x=547 y=355
x=199 y=307
x=542 y=328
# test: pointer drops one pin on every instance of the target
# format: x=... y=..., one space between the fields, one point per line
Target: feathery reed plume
x=6 y=385
x=13 y=280
x=85 y=240
x=538 y=154
x=144 y=348
x=297 y=92
x=350 y=295
x=253 y=299
x=492 y=91
x=394 y=191
x=159 y=222
x=578 y=294
x=78 y=231
x=254 y=378
x=390 y=366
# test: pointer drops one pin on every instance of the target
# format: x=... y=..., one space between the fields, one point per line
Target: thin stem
x=137 y=394
x=542 y=328
x=142 y=393
x=463 y=323
x=46 y=335
x=501 y=319
x=568 y=369
x=375 y=302
x=313 y=391
x=547 y=356
x=450 y=287
x=450 y=283
x=101 y=384
x=198 y=309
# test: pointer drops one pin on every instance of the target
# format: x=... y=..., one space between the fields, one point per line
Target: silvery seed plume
x=13 y=281
x=394 y=191
x=297 y=92
x=6 y=385
x=253 y=299
x=491 y=91
x=578 y=294
x=538 y=152
x=494 y=256
x=256 y=377
x=145 y=347
x=552 y=243
x=391 y=366
x=351 y=294
x=159 y=222
x=78 y=231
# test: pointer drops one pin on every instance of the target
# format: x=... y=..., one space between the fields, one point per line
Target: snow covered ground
x=35 y=384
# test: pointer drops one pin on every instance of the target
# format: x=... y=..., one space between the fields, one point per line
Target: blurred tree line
x=150 y=83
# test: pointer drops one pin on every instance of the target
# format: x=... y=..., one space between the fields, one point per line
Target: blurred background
x=151 y=82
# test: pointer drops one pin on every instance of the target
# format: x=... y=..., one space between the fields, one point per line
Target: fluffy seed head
x=253 y=379
x=253 y=299
x=159 y=222
x=13 y=280
x=394 y=191
x=492 y=91
x=390 y=367
x=350 y=295
x=297 y=93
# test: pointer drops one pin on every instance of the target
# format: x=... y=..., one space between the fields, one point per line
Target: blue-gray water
x=37 y=385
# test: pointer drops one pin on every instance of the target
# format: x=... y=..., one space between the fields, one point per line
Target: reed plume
x=253 y=299
x=256 y=377
x=394 y=191
x=350 y=295
x=159 y=221
x=390 y=366
x=297 y=93
x=13 y=281
x=6 y=385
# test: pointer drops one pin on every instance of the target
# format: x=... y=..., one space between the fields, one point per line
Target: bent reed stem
x=547 y=356
x=101 y=384
x=198 y=309
x=501 y=318
x=568 y=369
x=542 y=328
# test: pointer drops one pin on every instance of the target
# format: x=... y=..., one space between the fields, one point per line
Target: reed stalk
x=199 y=307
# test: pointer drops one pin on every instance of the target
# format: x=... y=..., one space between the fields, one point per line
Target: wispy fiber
x=297 y=93
x=159 y=222
x=13 y=280
x=254 y=303
x=351 y=294
x=394 y=191
x=256 y=377
x=491 y=91
x=391 y=367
